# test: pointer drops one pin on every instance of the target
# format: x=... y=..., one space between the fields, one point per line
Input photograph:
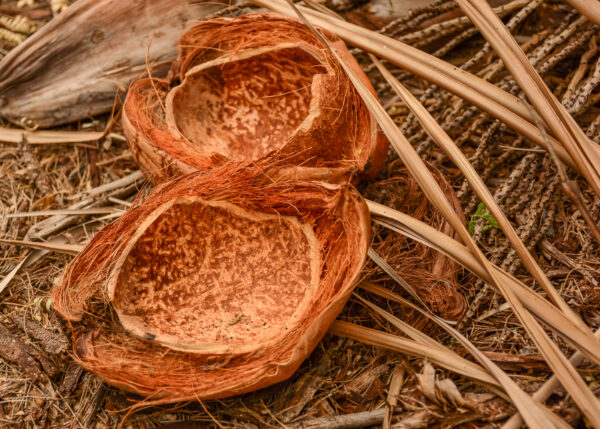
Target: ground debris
x=32 y=362
x=51 y=341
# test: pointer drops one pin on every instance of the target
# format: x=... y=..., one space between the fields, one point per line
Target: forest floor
x=40 y=386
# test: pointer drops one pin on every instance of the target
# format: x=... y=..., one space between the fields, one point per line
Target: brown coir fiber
x=433 y=275
x=255 y=87
x=218 y=283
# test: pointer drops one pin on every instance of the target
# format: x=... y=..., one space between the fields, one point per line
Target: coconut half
x=218 y=283
x=250 y=88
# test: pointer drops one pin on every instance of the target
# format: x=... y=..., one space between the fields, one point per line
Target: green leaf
x=482 y=213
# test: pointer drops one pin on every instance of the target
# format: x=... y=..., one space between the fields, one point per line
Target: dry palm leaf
x=445 y=142
x=490 y=366
x=217 y=284
x=584 y=152
x=250 y=88
x=563 y=369
x=481 y=93
x=542 y=309
x=425 y=348
x=73 y=66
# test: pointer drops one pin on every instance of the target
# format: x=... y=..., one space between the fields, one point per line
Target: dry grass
x=344 y=376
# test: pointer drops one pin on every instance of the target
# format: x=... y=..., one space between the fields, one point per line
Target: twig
x=348 y=421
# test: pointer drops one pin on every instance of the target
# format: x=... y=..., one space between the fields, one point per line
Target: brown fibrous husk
x=260 y=86
x=433 y=275
x=244 y=352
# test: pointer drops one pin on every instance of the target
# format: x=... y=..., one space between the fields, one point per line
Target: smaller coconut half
x=250 y=88
x=218 y=283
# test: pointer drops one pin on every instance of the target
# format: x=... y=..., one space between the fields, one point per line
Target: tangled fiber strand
x=431 y=274
x=340 y=221
x=249 y=88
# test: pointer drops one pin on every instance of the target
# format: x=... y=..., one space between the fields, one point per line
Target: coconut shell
x=218 y=283
x=260 y=86
x=73 y=66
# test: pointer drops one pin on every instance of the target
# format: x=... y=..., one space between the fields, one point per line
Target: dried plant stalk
x=217 y=284
x=73 y=66
x=249 y=88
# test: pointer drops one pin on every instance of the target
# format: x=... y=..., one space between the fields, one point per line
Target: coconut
x=218 y=283
x=260 y=86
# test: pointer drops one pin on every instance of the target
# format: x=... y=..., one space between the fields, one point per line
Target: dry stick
x=434 y=193
x=511 y=24
x=583 y=152
x=547 y=389
x=119 y=183
x=589 y=8
x=393 y=394
x=566 y=99
x=458 y=22
x=415 y=17
x=583 y=93
x=6 y=280
x=348 y=421
x=477 y=91
x=64 y=212
x=435 y=131
x=562 y=33
x=69 y=249
x=15 y=135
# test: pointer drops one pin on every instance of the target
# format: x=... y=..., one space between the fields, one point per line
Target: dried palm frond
x=444 y=141
x=569 y=377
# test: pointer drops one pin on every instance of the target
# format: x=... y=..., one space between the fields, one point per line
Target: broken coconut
x=249 y=88
x=217 y=284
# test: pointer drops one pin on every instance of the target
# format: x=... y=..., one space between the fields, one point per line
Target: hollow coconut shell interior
x=250 y=88
x=210 y=276
x=216 y=287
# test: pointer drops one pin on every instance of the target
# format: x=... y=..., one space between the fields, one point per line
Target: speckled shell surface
x=209 y=276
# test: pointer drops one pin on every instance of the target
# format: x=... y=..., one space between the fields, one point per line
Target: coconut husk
x=433 y=275
x=218 y=283
x=73 y=66
x=255 y=87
